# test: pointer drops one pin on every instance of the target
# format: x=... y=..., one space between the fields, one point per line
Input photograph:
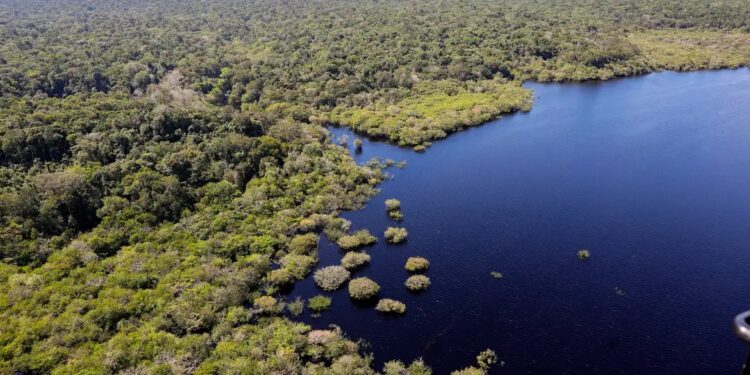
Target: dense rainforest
x=166 y=171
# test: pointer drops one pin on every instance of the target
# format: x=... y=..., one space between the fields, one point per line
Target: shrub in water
x=357 y=240
x=296 y=307
x=496 y=275
x=319 y=303
x=392 y=204
x=388 y=305
x=417 y=282
x=331 y=277
x=354 y=260
x=417 y=367
x=396 y=215
x=584 y=254
x=363 y=288
x=487 y=359
x=417 y=264
x=395 y=235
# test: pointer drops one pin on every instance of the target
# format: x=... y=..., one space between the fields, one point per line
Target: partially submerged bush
x=358 y=144
x=395 y=235
x=417 y=264
x=363 y=288
x=471 y=370
x=417 y=367
x=354 y=260
x=295 y=307
x=331 y=277
x=359 y=239
x=387 y=305
x=266 y=304
x=319 y=303
x=392 y=204
x=396 y=215
x=417 y=282
x=486 y=359
x=584 y=254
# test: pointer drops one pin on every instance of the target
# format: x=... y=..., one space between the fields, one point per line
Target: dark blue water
x=652 y=174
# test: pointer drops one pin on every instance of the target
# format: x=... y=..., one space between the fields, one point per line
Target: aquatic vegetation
x=359 y=239
x=295 y=307
x=470 y=371
x=496 y=275
x=418 y=367
x=353 y=260
x=331 y=278
x=417 y=264
x=319 y=303
x=395 y=235
x=392 y=204
x=417 y=282
x=266 y=304
x=358 y=144
x=486 y=359
x=363 y=288
x=584 y=254
x=387 y=305
x=419 y=148
x=393 y=207
x=396 y=215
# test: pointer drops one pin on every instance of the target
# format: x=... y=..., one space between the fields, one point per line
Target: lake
x=652 y=174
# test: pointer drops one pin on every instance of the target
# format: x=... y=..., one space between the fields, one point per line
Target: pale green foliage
x=417 y=264
x=417 y=282
x=331 y=277
x=392 y=306
x=266 y=304
x=395 y=235
x=583 y=254
x=363 y=288
x=470 y=371
x=298 y=265
x=296 y=307
x=487 y=358
x=319 y=303
x=359 y=239
x=353 y=260
x=392 y=204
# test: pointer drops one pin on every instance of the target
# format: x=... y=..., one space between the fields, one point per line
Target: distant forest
x=165 y=169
